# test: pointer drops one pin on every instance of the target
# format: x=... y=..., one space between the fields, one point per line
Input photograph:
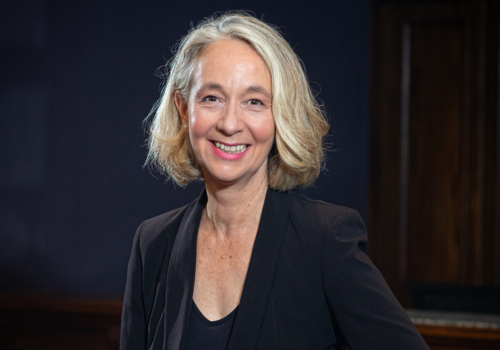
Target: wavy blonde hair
x=298 y=154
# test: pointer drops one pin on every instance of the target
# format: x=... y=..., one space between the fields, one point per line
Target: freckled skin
x=230 y=102
x=221 y=270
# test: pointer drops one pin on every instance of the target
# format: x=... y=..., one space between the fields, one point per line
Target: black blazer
x=310 y=284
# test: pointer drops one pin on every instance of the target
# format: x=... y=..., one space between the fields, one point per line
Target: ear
x=182 y=107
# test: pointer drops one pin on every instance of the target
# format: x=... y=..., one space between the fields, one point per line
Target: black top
x=203 y=334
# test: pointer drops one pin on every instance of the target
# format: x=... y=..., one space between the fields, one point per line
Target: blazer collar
x=258 y=282
x=180 y=276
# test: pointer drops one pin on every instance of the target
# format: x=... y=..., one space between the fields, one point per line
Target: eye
x=255 y=102
x=211 y=99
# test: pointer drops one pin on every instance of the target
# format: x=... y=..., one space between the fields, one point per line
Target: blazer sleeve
x=361 y=303
x=133 y=325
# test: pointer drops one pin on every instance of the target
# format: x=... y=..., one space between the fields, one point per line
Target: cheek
x=199 y=124
x=264 y=130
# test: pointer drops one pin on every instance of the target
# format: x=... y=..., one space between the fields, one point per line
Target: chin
x=225 y=180
x=229 y=174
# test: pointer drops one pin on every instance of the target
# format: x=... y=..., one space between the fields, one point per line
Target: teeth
x=231 y=149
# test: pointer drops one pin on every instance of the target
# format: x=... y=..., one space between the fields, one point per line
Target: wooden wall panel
x=492 y=147
x=435 y=138
x=59 y=323
x=435 y=152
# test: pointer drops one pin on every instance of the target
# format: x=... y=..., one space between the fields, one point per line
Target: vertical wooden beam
x=435 y=186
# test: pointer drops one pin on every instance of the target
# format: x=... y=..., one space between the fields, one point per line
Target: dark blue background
x=77 y=80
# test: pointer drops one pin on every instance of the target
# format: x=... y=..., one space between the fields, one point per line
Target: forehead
x=232 y=61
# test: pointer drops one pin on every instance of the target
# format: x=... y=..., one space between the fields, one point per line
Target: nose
x=230 y=121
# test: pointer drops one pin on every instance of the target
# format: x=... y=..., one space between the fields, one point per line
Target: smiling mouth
x=230 y=149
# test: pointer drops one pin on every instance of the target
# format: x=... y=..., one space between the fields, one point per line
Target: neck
x=235 y=209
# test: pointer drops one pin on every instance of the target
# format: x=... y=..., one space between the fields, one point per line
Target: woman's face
x=229 y=113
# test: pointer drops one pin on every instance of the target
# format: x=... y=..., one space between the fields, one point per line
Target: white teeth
x=231 y=149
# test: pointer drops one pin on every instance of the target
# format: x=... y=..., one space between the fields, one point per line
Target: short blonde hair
x=297 y=157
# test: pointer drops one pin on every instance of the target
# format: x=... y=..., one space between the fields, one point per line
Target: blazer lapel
x=180 y=276
x=258 y=283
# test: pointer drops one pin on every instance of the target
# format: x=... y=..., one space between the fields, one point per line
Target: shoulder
x=321 y=215
x=159 y=230
x=301 y=199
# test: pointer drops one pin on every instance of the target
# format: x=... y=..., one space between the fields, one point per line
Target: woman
x=250 y=264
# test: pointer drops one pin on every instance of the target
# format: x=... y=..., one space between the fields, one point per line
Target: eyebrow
x=253 y=88
x=211 y=86
x=259 y=89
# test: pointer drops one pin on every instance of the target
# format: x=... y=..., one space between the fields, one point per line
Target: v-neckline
x=209 y=323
